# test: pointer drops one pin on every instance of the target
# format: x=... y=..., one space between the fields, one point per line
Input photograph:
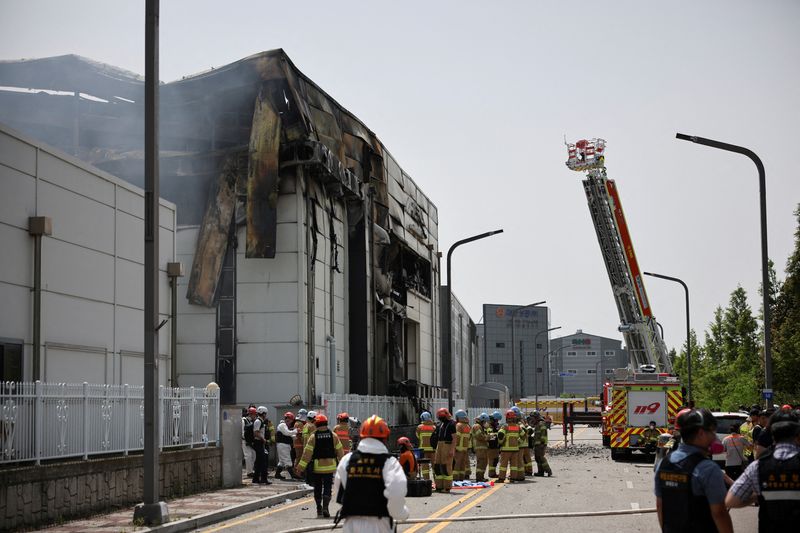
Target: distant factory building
x=582 y=361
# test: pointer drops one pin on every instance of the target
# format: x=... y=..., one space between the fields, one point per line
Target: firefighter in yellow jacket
x=494 y=446
x=461 y=468
x=508 y=437
x=525 y=460
x=325 y=450
x=480 y=445
x=425 y=429
x=342 y=430
x=540 y=446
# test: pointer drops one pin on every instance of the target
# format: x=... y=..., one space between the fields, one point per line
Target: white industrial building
x=89 y=324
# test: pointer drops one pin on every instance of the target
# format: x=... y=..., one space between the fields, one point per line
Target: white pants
x=249 y=457
x=366 y=524
x=284 y=455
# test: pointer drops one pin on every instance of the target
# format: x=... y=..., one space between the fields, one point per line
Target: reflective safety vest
x=540 y=433
x=684 y=512
x=747 y=431
x=779 y=501
x=424 y=432
x=325 y=450
x=308 y=430
x=491 y=437
x=342 y=431
x=299 y=425
x=364 y=487
x=463 y=435
x=479 y=437
x=269 y=434
x=523 y=435
x=508 y=437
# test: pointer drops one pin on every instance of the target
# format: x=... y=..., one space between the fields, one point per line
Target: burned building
x=311 y=256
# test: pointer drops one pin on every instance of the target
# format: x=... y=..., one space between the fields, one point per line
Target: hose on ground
x=324 y=527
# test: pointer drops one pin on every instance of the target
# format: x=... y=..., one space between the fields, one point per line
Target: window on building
x=609 y=370
x=610 y=353
x=572 y=354
x=500 y=345
x=591 y=371
x=10 y=361
x=496 y=368
x=539 y=345
x=539 y=370
x=591 y=354
x=570 y=371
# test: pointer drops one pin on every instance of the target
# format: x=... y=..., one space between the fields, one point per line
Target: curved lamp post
x=513 y=357
x=688 y=336
x=447 y=353
x=765 y=285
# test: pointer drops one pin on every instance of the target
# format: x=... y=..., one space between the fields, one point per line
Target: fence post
x=191 y=419
x=38 y=413
x=126 y=418
x=85 y=420
x=160 y=417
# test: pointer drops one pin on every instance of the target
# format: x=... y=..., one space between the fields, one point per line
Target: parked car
x=725 y=420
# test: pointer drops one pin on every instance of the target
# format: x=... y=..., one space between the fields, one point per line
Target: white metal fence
x=396 y=410
x=42 y=421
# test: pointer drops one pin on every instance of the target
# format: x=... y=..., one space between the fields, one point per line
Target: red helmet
x=342 y=417
x=321 y=420
x=403 y=441
x=251 y=410
x=510 y=414
x=786 y=407
x=288 y=415
x=442 y=412
x=678 y=416
x=374 y=427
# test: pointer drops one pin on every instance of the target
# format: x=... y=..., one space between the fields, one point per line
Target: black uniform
x=688 y=513
x=779 y=501
x=363 y=494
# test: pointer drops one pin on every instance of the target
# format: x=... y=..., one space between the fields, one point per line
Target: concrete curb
x=196 y=522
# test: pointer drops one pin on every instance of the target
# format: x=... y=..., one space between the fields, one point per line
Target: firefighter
x=773 y=480
x=325 y=450
x=525 y=460
x=690 y=489
x=461 y=468
x=650 y=436
x=480 y=445
x=342 y=430
x=445 y=450
x=299 y=424
x=310 y=427
x=508 y=437
x=371 y=485
x=424 y=431
x=406 y=458
x=493 y=446
x=540 y=446
x=285 y=437
x=260 y=437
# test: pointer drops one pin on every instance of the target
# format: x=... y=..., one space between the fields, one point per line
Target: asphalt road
x=585 y=479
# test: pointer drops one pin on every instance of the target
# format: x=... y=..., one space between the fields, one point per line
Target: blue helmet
x=461 y=414
x=483 y=417
x=425 y=416
x=517 y=411
x=497 y=416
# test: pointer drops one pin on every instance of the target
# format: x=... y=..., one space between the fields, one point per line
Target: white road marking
x=626 y=470
x=635 y=505
x=629 y=484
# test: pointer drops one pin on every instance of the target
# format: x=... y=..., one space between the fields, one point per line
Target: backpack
x=249 y=436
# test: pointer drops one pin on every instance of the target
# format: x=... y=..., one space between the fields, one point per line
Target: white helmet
x=262 y=410
x=312 y=414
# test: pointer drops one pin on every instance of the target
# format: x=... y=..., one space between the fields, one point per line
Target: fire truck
x=647 y=390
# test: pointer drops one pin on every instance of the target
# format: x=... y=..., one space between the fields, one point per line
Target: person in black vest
x=321 y=454
x=774 y=478
x=689 y=487
x=260 y=440
x=247 y=440
x=370 y=483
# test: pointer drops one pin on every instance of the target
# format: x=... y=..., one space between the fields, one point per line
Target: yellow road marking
x=443 y=510
x=466 y=508
x=259 y=515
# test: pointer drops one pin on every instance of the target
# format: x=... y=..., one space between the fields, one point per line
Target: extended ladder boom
x=638 y=325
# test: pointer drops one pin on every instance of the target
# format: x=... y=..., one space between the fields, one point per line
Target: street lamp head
x=684 y=137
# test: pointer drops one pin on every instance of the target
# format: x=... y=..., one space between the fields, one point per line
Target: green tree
x=680 y=367
x=786 y=329
x=741 y=353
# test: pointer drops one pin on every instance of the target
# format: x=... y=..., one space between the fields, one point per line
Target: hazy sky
x=474 y=98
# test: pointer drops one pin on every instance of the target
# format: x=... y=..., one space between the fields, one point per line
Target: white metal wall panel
x=17 y=154
x=16 y=311
x=130 y=237
x=267 y=327
x=266 y=298
x=17 y=266
x=73 y=366
x=77 y=219
x=70 y=320
x=272 y=387
x=198 y=329
x=18 y=198
x=77 y=271
x=74 y=178
x=283 y=268
x=266 y=357
x=195 y=359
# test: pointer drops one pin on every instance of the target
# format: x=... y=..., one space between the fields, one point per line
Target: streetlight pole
x=513 y=347
x=688 y=333
x=549 y=369
x=596 y=378
x=447 y=353
x=535 y=380
x=765 y=286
